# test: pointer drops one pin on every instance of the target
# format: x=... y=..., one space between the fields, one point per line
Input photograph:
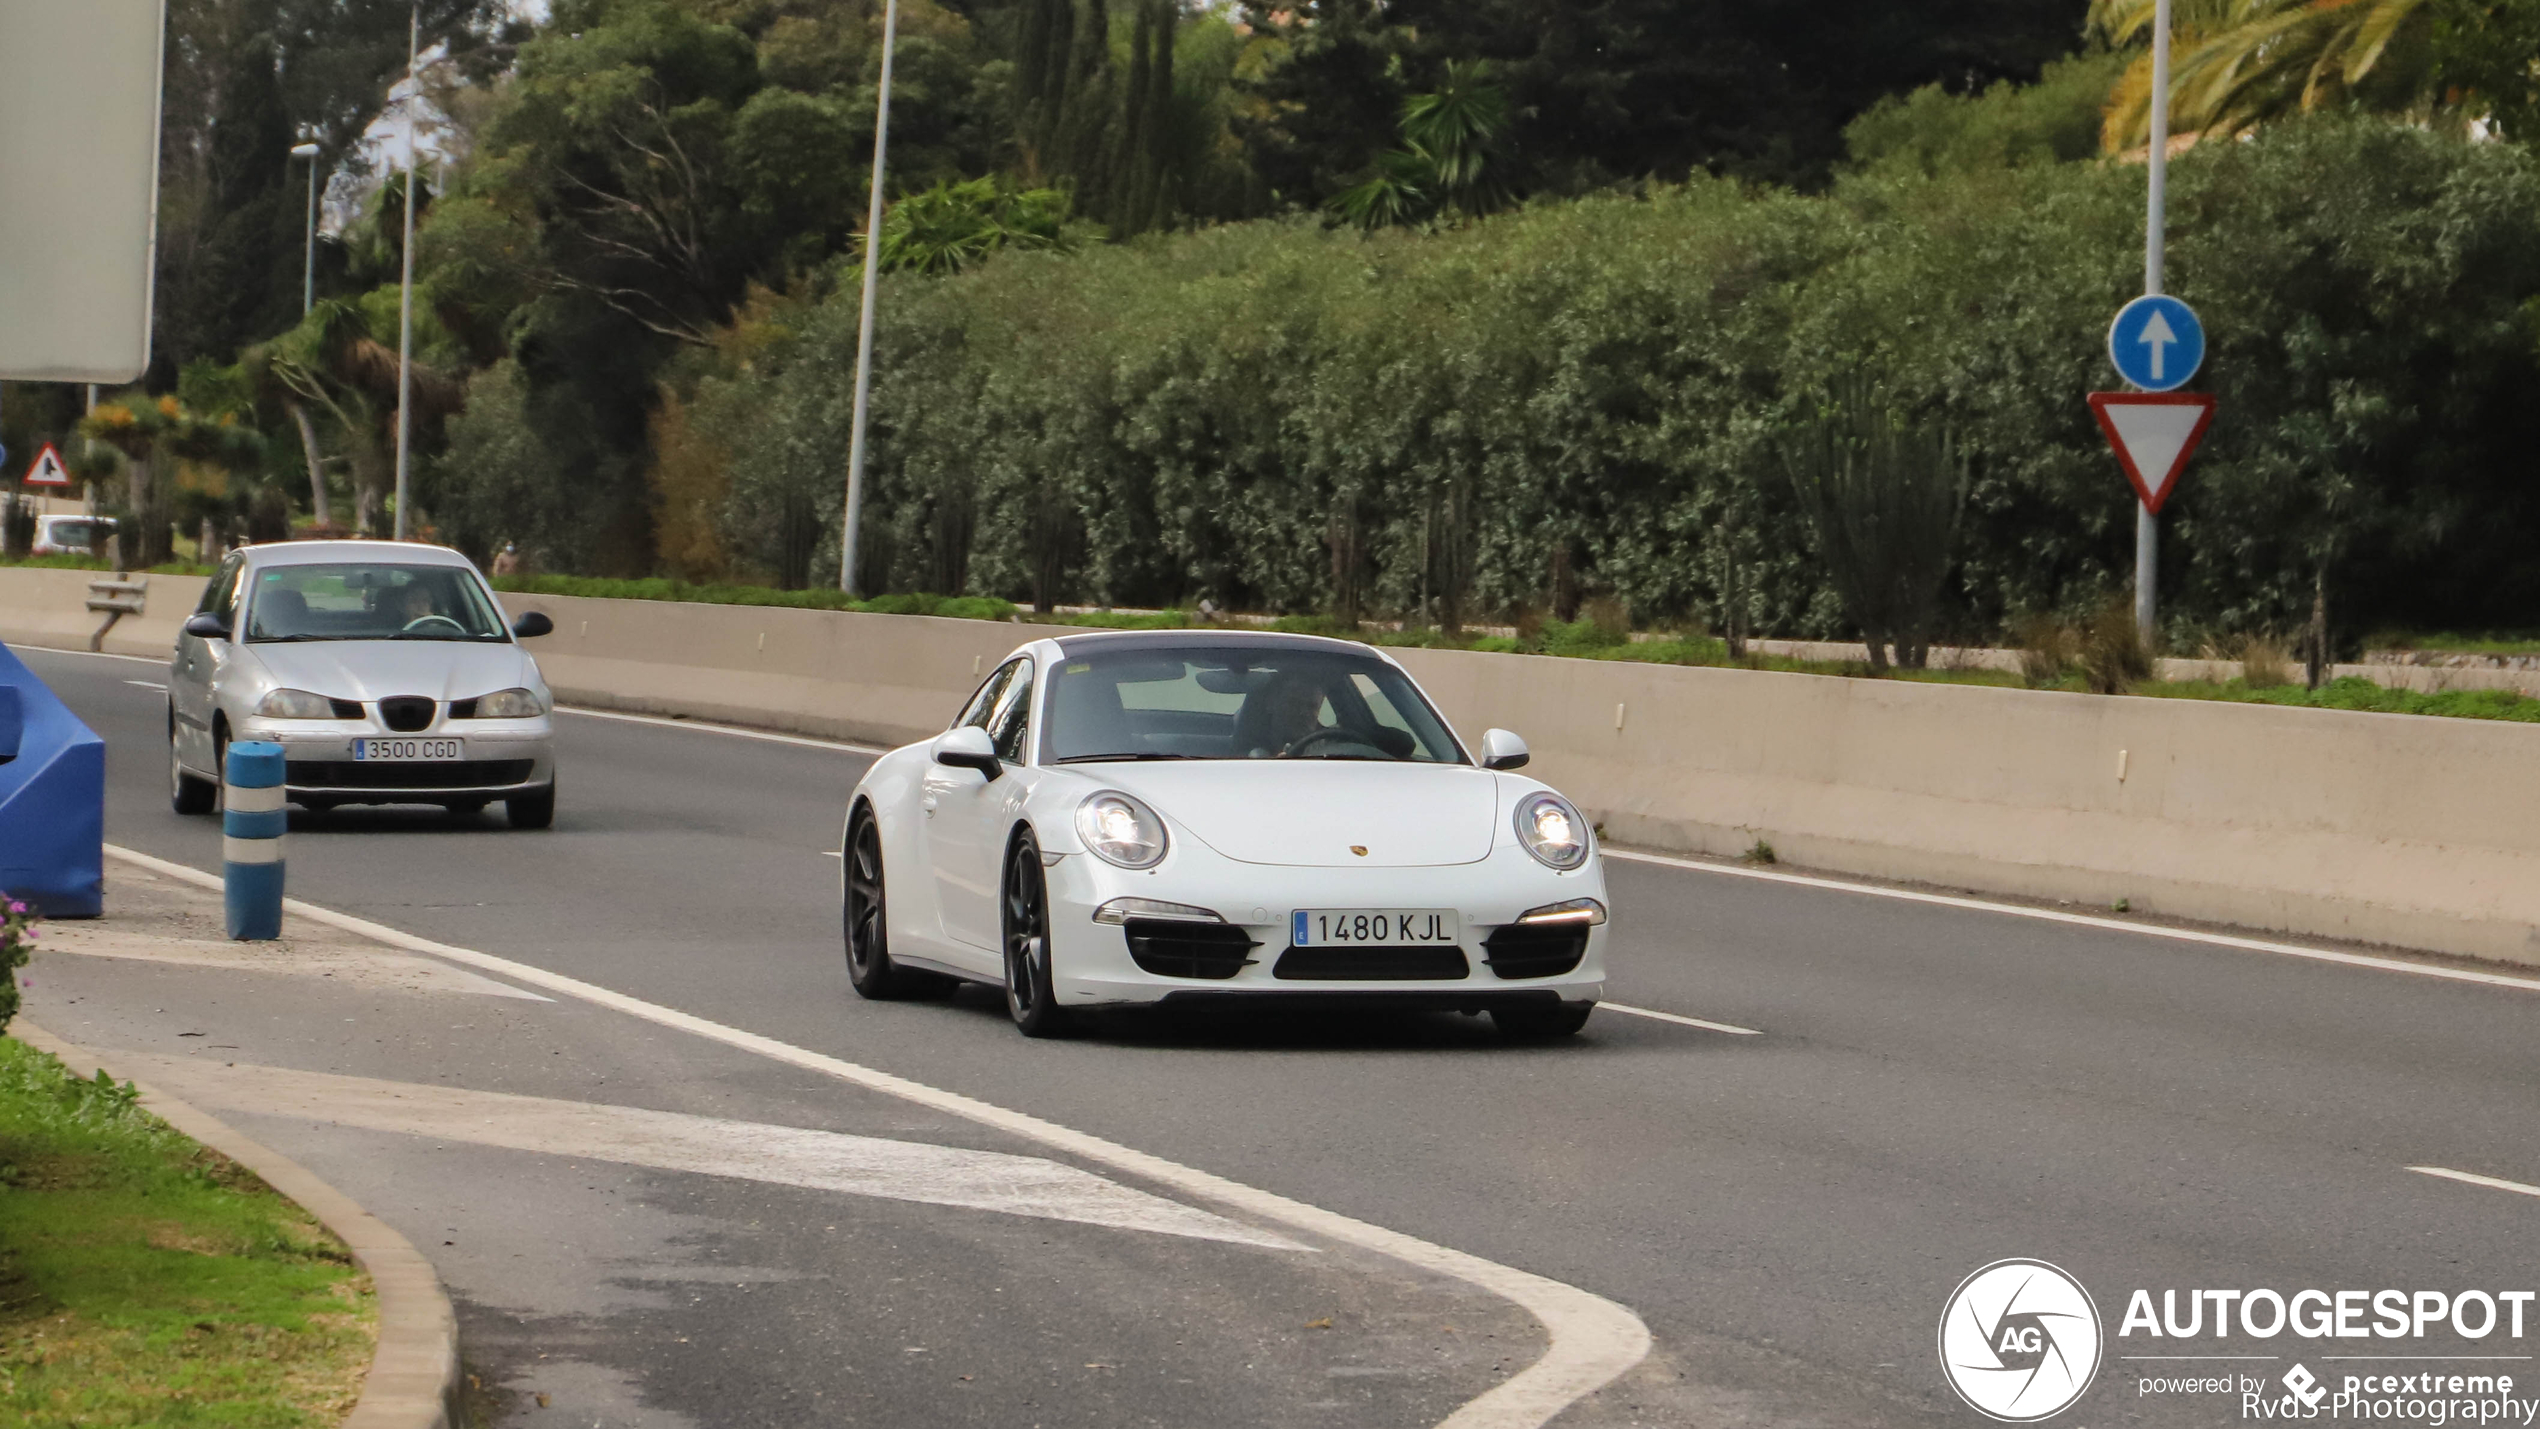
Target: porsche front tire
x=1024 y=921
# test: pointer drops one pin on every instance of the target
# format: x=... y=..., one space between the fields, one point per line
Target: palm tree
x=333 y=363
x=1444 y=162
x=154 y=436
x=2239 y=63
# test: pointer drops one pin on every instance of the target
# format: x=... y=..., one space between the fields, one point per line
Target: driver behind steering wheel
x=1292 y=714
x=414 y=605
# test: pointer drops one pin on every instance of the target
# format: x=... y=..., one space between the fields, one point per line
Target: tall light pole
x=2147 y=529
x=864 y=328
x=406 y=279
x=308 y=251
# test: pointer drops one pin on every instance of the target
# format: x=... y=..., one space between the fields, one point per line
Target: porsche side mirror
x=1502 y=750
x=533 y=625
x=968 y=748
x=203 y=625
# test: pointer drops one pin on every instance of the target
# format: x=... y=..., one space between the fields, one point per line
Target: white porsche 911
x=1170 y=816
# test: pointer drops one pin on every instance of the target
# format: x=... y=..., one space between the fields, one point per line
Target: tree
x=1882 y=499
x=155 y=436
x=2244 y=62
x=1444 y=164
x=952 y=226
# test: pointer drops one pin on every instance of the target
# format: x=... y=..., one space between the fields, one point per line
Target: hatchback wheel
x=1028 y=994
x=534 y=810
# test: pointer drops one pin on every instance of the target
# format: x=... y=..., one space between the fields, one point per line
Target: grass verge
x=147 y=1280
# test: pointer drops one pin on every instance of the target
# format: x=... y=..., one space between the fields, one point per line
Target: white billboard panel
x=79 y=185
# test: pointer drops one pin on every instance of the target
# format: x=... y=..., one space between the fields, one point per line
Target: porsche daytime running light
x=510 y=704
x=1120 y=830
x=1552 y=831
x=1121 y=910
x=295 y=704
x=1584 y=911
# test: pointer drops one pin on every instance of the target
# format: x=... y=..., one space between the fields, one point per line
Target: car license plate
x=408 y=750
x=1372 y=927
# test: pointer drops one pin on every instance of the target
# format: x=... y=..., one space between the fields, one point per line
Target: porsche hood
x=1321 y=813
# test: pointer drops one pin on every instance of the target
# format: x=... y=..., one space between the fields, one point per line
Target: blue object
x=251 y=824
x=2157 y=343
x=52 y=799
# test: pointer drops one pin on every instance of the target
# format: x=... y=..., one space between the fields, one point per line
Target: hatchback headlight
x=510 y=704
x=1121 y=830
x=1552 y=831
x=297 y=704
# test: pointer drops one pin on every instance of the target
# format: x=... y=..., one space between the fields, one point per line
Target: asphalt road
x=1935 y=1088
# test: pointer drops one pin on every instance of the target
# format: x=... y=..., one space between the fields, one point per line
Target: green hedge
x=1279 y=416
x=961 y=607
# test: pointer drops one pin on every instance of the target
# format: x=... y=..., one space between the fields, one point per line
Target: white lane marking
x=2085 y=920
x=701 y=1145
x=731 y=729
x=2474 y=1179
x=833 y=853
x=1591 y=1340
x=158 y=660
x=147 y=685
x=1630 y=1011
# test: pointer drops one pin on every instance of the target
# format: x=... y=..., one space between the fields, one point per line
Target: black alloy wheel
x=866 y=917
x=1028 y=994
x=1540 y=1021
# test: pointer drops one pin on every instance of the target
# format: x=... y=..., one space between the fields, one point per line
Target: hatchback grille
x=1372 y=964
x=420 y=774
x=406 y=713
x=1535 y=949
x=1169 y=947
x=346 y=709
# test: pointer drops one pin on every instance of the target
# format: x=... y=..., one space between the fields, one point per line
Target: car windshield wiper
x=468 y=639
x=1361 y=758
x=1138 y=758
x=291 y=639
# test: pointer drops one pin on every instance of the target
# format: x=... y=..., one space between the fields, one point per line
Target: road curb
x=414 y=1374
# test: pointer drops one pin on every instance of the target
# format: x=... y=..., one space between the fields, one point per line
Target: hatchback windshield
x=370 y=602
x=1239 y=702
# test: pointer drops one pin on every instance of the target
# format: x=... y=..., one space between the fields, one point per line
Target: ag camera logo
x=2019 y=1341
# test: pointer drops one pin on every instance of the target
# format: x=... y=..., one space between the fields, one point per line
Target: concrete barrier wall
x=2411 y=831
x=44 y=607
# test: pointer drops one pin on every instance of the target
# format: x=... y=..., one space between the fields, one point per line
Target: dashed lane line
x=699 y=1145
x=2497 y=1183
x=734 y=730
x=1590 y=1339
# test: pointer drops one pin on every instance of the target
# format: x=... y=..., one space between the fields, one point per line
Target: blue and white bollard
x=251 y=824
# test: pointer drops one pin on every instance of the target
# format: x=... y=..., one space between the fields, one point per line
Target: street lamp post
x=864 y=328
x=308 y=251
x=406 y=278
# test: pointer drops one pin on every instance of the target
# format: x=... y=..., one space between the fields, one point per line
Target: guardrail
x=116 y=596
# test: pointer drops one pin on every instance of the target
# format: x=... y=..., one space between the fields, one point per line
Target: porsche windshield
x=1239 y=702
x=370 y=602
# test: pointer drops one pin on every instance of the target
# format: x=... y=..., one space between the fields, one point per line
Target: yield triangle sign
x=48 y=469
x=2154 y=433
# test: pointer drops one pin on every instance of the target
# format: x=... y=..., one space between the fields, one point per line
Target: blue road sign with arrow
x=2157 y=343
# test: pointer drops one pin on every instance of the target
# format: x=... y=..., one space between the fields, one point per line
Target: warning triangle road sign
x=2154 y=433
x=48 y=469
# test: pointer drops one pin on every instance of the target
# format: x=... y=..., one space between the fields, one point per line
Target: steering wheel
x=421 y=621
x=1331 y=734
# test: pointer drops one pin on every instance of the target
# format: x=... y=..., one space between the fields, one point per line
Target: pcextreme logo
x=2019 y=1341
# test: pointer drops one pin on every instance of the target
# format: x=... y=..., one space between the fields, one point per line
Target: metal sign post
x=2147 y=527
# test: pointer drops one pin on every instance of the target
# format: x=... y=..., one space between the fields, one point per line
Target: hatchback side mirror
x=968 y=748
x=203 y=625
x=533 y=625
x=1502 y=750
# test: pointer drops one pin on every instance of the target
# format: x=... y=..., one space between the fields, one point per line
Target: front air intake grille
x=1535 y=949
x=345 y=709
x=1168 y=947
x=420 y=774
x=406 y=713
x=1431 y=964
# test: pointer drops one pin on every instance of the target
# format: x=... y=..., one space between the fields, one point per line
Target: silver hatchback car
x=385 y=671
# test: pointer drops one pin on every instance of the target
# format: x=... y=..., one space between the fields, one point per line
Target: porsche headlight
x=295 y=704
x=1552 y=831
x=1121 y=830
x=510 y=704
